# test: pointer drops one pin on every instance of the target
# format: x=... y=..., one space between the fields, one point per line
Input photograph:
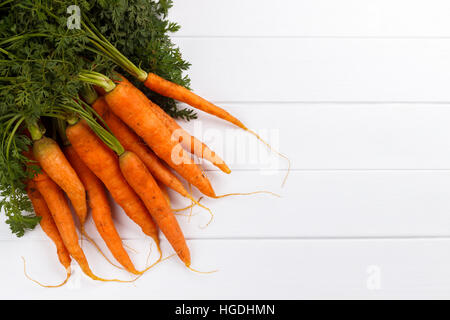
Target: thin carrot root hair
x=68 y=274
x=92 y=241
x=201 y=272
x=248 y=194
x=150 y=253
x=160 y=260
x=154 y=264
x=192 y=205
x=197 y=202
x=275 y=151
x=94 y=277
x=192 y=200
x=148 y=259
x=191 y=214
x=210 y=219
x=185 y=208
x=239 y=194
x=130 y=248
x=185 y=215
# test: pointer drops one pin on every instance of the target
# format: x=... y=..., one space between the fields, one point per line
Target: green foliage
x=141 y=31
x=40 y=59
x=13 y=198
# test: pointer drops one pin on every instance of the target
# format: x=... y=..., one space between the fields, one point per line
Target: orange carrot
x=163 y=189
x=154 y=82
x=170 y=89
x=49 y=227
x=180 y=93
x=131 y=141
x=124 y=100
x=47 y=152
x=146 y=187
x=190 y=143
x=60 y=211
x=103 y=162
x=177 y=92
x=101 y=210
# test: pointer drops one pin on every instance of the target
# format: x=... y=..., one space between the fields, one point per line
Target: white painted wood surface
x=318 y=69
x=318 y=18
x=356 y=93
x=262 y=269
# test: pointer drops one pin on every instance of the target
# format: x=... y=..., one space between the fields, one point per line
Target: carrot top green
x=40 y=60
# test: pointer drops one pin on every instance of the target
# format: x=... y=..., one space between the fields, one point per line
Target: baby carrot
x=49 y=227
x=101 y=210
x=180 y=93
x=131 y=141
x=60 y=211
x=190 y=143
x=124 y=100
x=168 y=88
x=146 y=187
x=49 y=155
x=103 y=162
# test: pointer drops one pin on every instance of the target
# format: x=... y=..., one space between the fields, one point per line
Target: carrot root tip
x=92 y=241
x=248 y=194
x=160 y=259
x=201 y=272
x=68 y=274
x=273 y=150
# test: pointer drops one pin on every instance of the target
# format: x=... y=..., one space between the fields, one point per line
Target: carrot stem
x=35 y=131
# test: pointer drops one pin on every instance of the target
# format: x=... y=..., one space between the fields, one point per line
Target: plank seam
x=406 y=103
x=355 y=238
x=325 y=37
x=389 y=170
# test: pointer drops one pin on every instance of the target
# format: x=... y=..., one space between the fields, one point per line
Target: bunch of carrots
x=132 y=172
x=113 y=138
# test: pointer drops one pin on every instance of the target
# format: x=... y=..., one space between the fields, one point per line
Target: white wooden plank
x=330 y=136
x=285 y=69
x=336 y=204
x=328 y=204
x=261 y=269
x=318 y=18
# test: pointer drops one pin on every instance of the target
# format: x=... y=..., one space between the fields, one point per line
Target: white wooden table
x=357 y=94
